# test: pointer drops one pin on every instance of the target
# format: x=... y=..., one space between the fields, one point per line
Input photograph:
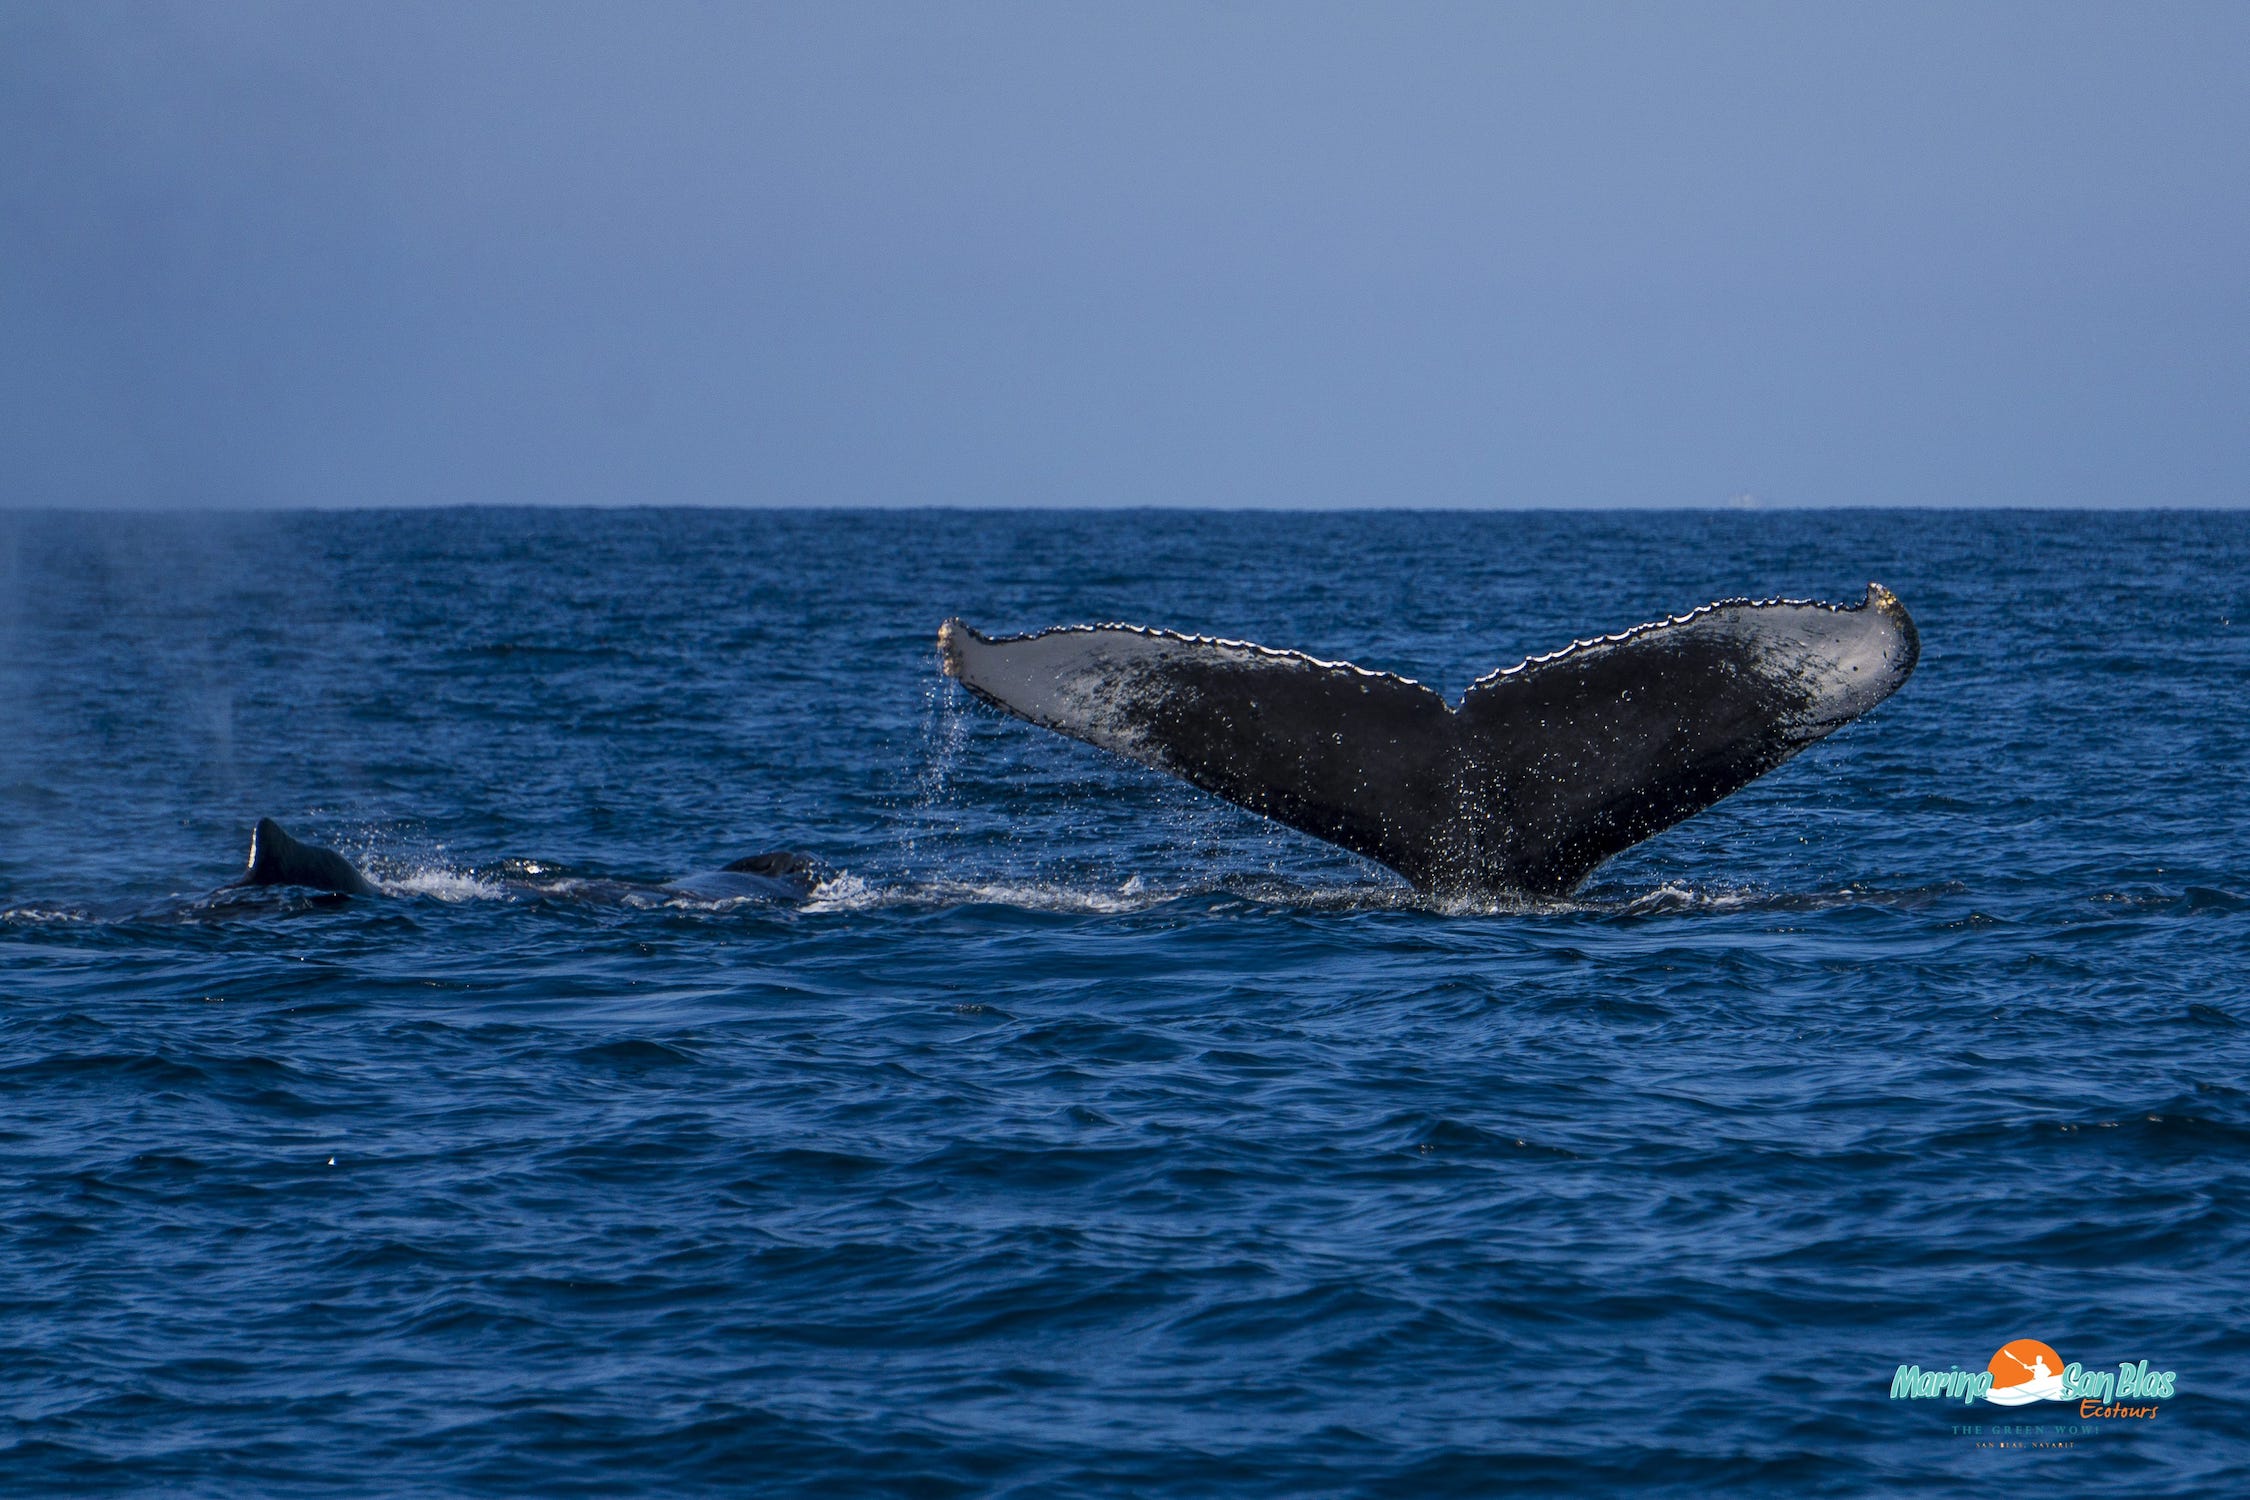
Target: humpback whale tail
x=1540 y=772
x=278 y=859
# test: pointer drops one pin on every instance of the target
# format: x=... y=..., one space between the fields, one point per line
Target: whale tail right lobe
x=277 y=858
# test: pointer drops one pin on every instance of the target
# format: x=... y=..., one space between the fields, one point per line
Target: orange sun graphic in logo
x=2025 y=1371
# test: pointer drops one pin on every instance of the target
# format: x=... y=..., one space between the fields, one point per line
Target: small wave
x=1033 y=896
x=2194 y=898
x=672 y=900
x=31 y=915
x=1373 y=898
x=843 y=893
x=1672 y=896
x=847 y=892
x=444 y=885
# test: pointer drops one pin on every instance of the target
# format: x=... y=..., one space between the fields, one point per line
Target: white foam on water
x=443 y=884
x=844 y=892
x=1039 y=896
x=848 y=892
x=43 y=914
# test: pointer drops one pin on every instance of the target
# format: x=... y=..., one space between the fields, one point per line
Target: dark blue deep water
x=1084 y=1136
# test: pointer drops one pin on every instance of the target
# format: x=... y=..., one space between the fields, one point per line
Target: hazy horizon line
x=1157 y=507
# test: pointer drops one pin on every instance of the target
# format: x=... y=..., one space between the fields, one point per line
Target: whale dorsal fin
x=1544 y=771
x=276 y=858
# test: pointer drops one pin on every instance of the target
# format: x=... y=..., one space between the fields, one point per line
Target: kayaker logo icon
x=2024 y=1371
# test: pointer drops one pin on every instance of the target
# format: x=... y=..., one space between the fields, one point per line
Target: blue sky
x=1057 y=254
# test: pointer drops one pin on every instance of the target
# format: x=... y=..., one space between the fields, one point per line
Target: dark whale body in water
x=1540 y=773
x=276 y=858
x=779 y=876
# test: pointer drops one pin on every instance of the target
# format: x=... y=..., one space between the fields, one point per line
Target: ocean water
x=1083 y=1135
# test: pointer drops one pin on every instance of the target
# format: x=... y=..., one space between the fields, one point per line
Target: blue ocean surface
x=1083 y=1135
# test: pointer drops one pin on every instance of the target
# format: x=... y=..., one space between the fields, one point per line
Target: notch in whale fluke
x=1540 y=772
x=276 y=858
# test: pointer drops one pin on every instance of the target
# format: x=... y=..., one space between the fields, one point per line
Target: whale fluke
x=1541 y=772
x=278 y=859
